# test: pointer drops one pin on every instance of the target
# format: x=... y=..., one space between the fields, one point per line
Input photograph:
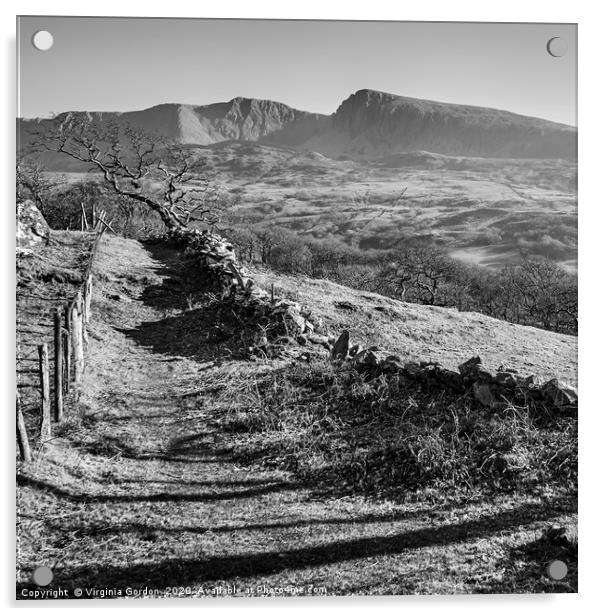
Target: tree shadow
x=161 y=497
x=525 y=568
x=189 y=572
x=197 y=323
x=138 y=528
x=194 y=452
x=183 y=281
x=204 y=334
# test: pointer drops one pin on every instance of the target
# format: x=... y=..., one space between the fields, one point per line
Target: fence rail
x=68 y=345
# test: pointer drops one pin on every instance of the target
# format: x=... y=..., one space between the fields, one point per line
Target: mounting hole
x=42 y=40
x=557 y=570
x=557 y=47
x=42 y=576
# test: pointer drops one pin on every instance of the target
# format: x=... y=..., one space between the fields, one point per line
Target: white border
x=584 y=13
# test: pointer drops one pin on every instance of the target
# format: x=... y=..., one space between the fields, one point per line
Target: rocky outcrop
x=371 y=123
x=32 y=228
x=240 y=119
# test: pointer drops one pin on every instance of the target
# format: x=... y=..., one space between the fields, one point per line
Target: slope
x=142 y=490
x=430 y=333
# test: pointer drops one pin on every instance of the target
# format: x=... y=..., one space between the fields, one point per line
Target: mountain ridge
x=368 y=124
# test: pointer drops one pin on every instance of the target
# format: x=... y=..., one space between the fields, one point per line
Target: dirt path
x=142 y=492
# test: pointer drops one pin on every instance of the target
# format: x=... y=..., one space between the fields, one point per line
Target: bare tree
x=165 y=177
x=33 y=181
x=417 y=272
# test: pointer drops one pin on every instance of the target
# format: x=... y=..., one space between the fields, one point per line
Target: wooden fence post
x=84 y=218
x=66 y=361
x=82 y=313
x=77 y=341
x=44 y=391
x=88 y=296
x=22 y=440
x=58 y=364
x=67 y=348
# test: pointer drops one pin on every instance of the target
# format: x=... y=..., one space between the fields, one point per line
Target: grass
x=47 y=279
x=183 y=466
x=426 y=333
x=388 y=438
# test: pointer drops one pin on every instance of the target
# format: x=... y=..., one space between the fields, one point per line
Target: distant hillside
x=371 y=123
x=367 y=125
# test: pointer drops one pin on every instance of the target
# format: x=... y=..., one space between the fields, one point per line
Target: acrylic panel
x=296 y=308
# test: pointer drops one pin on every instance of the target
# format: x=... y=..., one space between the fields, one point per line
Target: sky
x=118 y=64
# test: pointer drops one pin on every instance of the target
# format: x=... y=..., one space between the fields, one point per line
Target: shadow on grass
x=199 y=333
x=141 y=529
x=161 y=497
x=189 y=572
x=525 y=568
x=182 y=281
x=196 y=323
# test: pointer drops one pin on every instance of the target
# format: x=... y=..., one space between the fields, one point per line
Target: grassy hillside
x=430 y=333
x=184 y=464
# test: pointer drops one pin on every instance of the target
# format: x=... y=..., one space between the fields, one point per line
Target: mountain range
x=367 y=125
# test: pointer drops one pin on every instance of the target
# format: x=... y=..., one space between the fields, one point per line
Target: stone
x=317 y=323
x=354 y=350
x=559 y=394
x=483 y=392
x=319 y=339
x=32 y=228
x=391 y=364
x=469 y=366
x=449 y=378
x=369 y=359
x=507 y=379
x=412 y=369
x=295 y=323
x=480 y=374
x=345 y=305
x=534 y=381
x=340 y=348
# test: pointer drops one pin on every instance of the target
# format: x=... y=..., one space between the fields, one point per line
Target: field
x=483 y=211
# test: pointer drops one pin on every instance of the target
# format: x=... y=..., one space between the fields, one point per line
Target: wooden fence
x=70 y=338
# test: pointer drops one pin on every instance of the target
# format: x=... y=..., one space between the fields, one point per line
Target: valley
x=486 y=185
x=484 y=211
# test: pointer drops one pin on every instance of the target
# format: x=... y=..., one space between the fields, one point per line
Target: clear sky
x=112 y=64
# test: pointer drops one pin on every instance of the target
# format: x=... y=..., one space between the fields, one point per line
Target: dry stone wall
x=495 y=391
x=217 y=257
